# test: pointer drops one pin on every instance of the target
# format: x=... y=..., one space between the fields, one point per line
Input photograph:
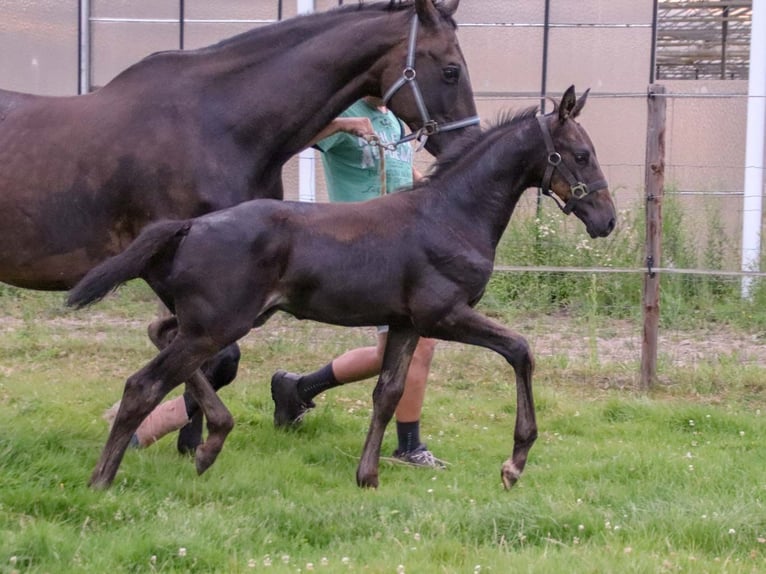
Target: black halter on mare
x=578 y=189
x=409 y=75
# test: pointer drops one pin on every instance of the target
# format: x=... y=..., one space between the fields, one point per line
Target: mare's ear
x=568 y=102
x=449 y=7
x=580 y=103
x=427 y=12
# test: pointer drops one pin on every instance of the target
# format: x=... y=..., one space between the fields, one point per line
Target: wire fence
x=704 y=169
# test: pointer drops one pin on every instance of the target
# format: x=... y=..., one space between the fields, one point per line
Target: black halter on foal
x=578 y=189
x=430 y=127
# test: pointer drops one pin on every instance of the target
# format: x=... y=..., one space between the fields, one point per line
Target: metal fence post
x=655 y=181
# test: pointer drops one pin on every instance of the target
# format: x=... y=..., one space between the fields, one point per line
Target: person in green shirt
x=352 y=172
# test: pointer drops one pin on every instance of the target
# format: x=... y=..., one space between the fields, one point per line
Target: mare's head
x=425 y=79
x=572 y=175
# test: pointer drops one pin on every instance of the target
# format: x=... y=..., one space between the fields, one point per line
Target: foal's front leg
x=400 y=344
x=465 y=325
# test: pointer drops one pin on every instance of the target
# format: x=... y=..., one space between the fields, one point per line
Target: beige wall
x=601 y=44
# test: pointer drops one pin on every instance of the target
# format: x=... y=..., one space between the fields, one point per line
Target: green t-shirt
x=351 y=164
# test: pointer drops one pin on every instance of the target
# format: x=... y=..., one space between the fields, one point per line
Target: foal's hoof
x=367 y=481
x=204 y=458
x=99 y=483
x=510 y=474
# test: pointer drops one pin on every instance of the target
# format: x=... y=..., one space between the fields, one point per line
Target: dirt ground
x=557 y=336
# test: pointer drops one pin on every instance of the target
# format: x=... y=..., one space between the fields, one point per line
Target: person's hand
x=360 y=127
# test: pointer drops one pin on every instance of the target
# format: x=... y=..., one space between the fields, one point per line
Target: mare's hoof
x=509 y=474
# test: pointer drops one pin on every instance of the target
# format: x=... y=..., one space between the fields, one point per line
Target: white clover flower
x=324 y=561
x=251 y=563
x=285 y=558
x=182 y=552
x=345 y=560
x=309 y=565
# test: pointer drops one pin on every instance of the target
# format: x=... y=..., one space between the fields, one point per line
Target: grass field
x=670 y=481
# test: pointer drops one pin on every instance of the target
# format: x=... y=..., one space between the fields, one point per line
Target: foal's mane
x=467 y=143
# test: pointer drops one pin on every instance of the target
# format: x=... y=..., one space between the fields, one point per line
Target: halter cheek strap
x=577 y=189
x=409 y=77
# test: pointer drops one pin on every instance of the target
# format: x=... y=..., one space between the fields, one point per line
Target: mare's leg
x=465 y=325
x=143 y=392
x=400 y=345
x=219 y=371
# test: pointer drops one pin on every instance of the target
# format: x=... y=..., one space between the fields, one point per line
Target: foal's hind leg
x=465 y=325
x=143 y=392
x=400 y=345
x=219 y=372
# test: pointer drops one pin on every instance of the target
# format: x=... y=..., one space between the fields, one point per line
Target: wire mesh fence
x=519 y=54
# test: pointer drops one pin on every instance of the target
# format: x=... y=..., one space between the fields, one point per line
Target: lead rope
x=374 y=141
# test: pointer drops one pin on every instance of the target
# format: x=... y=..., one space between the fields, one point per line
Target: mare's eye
x=582 y=157
x=451 y=74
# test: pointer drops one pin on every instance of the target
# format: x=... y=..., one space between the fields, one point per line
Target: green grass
x=670 y=481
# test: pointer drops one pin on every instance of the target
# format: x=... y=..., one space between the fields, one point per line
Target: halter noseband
x=577 y=189
x=409 y=76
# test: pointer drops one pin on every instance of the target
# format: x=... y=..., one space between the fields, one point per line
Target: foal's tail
x=129 y=264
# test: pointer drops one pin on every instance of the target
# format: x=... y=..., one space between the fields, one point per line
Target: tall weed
x=546 y=238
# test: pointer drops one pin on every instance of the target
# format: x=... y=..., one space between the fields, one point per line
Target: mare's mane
x=260 y=42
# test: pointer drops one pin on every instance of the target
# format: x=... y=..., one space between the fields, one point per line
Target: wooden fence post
x=654 y=182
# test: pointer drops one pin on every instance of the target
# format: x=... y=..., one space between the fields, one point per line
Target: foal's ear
x=568 y=102
x=427 y=12
x=580 y=103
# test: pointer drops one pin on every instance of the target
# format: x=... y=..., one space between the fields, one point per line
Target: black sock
x=317 y=382
x=409 y=436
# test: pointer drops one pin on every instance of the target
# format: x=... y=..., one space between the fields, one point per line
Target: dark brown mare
x=180 y=134
x=346 y=264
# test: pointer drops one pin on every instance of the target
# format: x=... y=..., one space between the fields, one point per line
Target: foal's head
x=431 y=62
x=572 y=174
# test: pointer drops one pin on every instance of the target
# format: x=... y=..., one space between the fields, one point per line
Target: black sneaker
x=289 y=408
x=421 y=457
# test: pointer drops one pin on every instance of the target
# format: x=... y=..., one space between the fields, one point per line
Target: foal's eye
x=451 y=74
x=582 y=157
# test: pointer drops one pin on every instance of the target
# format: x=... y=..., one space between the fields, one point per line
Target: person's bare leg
x=411 y=448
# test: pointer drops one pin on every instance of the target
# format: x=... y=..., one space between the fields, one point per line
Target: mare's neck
x=311 y=71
